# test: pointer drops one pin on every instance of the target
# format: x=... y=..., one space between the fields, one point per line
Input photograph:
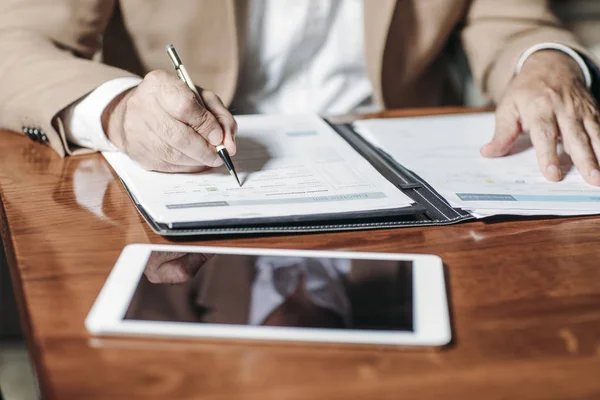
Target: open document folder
x=296 y=173
x=444 y=151
x=302 y=174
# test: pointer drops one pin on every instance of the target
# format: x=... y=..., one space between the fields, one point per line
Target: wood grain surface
x=525 y=302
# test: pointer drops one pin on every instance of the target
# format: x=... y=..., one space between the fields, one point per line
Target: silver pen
x=185 y=77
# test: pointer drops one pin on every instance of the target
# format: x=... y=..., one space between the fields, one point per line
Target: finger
x=163 y=157
x=155 y=260
x=174 y=140
x=578 y=146
x=180 y=270
x=155 y=135
x=166 y=150
x=158 y=257
x=224 y=117
x=592 y=126
x=169 y=159
x=544 y=137
x=506 y=132
x=161 y=166
x=182 y=105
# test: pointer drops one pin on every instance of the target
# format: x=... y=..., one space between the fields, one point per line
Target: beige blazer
x=50 y=50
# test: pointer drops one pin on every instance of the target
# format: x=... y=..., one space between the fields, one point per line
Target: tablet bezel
x=431 y=314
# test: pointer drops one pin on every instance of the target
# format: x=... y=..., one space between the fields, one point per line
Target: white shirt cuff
x=565 y=49
x=83 y=119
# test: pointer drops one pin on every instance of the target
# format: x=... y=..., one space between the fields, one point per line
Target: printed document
x=444 y=151
x=288 y=166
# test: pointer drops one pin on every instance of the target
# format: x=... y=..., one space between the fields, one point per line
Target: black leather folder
x=430 y=208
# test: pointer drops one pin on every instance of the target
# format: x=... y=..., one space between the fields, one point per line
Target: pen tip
x=235 y=175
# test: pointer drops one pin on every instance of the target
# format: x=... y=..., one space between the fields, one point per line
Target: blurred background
x=583 y=17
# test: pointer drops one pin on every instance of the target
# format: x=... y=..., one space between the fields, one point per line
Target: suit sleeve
x=495 y=37
x=46 y=51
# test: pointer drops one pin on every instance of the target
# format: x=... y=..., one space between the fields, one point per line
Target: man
x=283 y=56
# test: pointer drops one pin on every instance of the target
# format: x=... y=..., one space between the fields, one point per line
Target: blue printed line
x=528 y=197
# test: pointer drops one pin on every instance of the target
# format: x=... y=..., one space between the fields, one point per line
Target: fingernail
x=484 y=149
x=215 y=137
x=553 y=172
x=491 y=150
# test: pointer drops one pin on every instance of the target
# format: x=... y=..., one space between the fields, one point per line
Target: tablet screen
x=267 y=290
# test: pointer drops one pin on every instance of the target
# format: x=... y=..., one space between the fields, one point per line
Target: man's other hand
x=548 y=100
x=161 y=125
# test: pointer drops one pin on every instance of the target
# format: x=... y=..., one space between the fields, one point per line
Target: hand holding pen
x=185 y=77
x=161 y=125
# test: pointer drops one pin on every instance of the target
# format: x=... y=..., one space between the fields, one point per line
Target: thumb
x=208 y=127
x=506 y=132
x=224 y=118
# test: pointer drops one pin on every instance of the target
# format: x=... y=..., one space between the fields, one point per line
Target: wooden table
x=525 y=299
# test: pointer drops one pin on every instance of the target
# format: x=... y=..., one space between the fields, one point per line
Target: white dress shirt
x=302 y=56
x=323 y=285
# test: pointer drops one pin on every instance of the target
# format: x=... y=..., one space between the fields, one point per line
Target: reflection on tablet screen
x=276 y=291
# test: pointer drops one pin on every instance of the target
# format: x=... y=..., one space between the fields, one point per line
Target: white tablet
x=277 y=295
